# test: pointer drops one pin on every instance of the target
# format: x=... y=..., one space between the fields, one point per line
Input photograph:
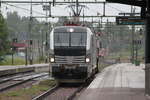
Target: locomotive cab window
x=70 y=39
x=61 y=39
x=78 y=39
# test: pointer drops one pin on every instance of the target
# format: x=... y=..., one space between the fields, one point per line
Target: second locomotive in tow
x=73 y=53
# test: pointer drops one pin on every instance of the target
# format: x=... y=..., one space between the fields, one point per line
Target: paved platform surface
x=117 y=82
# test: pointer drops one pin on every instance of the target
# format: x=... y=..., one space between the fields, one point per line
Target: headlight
x=52 y=59
x=87 y=60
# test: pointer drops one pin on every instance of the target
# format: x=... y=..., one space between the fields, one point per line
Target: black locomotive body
x=73 y=53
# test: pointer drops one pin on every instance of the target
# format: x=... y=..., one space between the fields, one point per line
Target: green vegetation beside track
x=19 y=61
x=27 y=93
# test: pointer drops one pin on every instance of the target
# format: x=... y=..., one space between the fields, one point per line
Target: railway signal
x=13 y=48
x=141 y=32
x=15 y=40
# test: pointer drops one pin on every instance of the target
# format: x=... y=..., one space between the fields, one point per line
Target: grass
x=18 y=61
x=124 y=54
x=13 y=94
x=27 y=93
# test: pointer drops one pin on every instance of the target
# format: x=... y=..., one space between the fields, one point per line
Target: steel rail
x=15 y=77
x=52 y=90
x=19 y=83
x=47 y=93
x=74 y=94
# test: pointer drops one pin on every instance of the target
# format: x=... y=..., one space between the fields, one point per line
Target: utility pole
x=0 y=10
x=92 y=23
x=104 y=7
x=46 y=7
x=77 y=6
x=0 y=6
x=136 y=51
x=120 y=33
x=42 y=44
x=26 y=55
x=50 y=10
x=138 y=43
x=83 y=17
x=133 y=31
x=46 y=43
x=39 y=51
x=107 y=35
x=147 y=50
x=30 y=42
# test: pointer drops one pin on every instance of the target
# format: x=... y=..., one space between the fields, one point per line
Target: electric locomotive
x=73 y=53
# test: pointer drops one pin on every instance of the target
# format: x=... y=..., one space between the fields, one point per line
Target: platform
x=117 y=82
x=7 y=70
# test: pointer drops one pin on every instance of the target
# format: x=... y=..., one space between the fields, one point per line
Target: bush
x=137 y=62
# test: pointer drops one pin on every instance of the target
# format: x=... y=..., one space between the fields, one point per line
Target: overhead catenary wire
x=116 y=9
x=25 y=9
x=59 y=7
x=25 y=4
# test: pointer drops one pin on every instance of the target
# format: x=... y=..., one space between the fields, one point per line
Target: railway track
x=6 y=79
x=15 y=74
x=60 y=93
x=10 y=83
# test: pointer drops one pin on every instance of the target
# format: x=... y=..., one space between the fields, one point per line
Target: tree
x=4 y=43
x=18 y=26
x=116 y=38
x=13 y=22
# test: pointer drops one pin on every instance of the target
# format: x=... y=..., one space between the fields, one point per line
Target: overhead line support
x=72 y=16
x=54 y=2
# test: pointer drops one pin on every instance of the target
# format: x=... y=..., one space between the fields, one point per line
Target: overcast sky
x=58 y=10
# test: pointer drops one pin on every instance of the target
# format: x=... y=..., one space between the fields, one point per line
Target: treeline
x=114 y=38
x=117 y=39
x=4 y=43
x=18 y=27
x=15 y=26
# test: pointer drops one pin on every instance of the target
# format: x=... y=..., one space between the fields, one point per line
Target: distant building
x=19 y=46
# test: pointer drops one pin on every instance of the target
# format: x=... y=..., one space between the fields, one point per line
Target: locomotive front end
x=68 y=54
